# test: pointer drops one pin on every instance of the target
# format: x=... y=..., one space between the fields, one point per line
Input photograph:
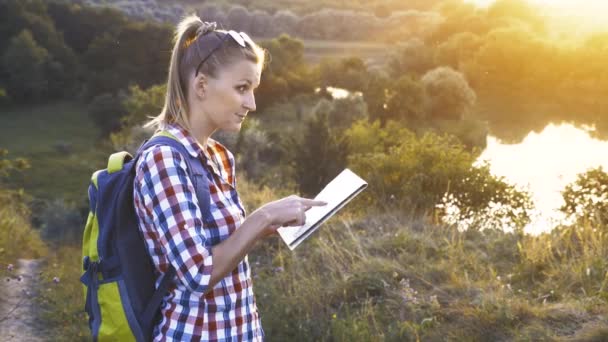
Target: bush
x=587 y=198
x=419 y=173
x=4 y=99
x=107 y=111
x=61 y=222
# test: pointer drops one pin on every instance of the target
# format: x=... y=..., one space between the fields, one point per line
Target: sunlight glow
x=587 y=13
x=544 y=163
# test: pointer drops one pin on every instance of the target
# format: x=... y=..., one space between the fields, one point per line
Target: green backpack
x=119 y=276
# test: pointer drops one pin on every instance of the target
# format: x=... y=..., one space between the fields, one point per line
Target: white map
x=337 y=193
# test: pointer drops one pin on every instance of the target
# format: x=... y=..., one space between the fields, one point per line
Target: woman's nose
x=249 y=102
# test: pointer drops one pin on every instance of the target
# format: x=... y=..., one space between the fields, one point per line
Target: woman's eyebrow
x=247 y=80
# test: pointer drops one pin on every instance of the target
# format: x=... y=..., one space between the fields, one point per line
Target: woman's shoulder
x=160 y=156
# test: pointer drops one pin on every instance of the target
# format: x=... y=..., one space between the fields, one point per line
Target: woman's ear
x=200 y=86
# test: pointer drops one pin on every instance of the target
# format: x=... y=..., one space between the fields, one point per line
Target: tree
x=587 y=198
x=449 y=96
x=347 y=73
x=286 y=74
x=26 y=64
x=413 y=57
x=139 y=105
x=261 y=24
x=405 y=100
x=81 y=24
x=239 y=19
x=458 y=49
x=284 y=22
x=519 y=10
x=319 y=157
x=128 y=56
x=252 y=147
x=107 y=111
x=375 y=95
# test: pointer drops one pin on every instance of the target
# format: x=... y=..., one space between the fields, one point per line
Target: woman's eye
x=241 y=89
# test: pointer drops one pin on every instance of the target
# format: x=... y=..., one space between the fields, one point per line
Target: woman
x=211 y=83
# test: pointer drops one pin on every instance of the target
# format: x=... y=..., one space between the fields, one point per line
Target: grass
x=384 y=276
x=18 y=239
x=61 y=305
x=60 y=143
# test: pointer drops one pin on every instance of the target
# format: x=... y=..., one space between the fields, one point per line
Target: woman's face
x=229 y=97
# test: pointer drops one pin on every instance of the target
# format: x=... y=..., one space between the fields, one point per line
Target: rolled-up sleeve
x=164 y=189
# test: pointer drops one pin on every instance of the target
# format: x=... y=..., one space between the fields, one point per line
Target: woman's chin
x=234 y=128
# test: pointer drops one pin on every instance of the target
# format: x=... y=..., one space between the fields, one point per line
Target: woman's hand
x=288 y=211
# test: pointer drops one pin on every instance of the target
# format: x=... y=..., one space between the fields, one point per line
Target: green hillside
x=59 y=140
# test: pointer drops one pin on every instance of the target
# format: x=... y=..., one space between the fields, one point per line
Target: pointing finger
x=311 y=202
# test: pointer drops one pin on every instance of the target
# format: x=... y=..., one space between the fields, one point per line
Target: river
x=544 y=163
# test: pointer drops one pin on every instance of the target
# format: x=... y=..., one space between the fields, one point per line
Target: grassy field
x=384 y=276
x=60 y=143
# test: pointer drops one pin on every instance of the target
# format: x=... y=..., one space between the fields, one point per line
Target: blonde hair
x=193 y=41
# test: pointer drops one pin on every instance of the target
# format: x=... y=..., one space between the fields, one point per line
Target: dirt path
x=17 y=319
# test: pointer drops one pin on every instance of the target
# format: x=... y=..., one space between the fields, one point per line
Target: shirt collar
x=191 y=144
x=185 y=138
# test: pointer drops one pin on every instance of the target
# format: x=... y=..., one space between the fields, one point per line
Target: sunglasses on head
x=240 y=37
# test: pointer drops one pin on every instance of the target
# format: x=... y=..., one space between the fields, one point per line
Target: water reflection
x=544 y=163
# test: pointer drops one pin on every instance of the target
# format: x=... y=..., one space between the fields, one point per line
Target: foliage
x=18 y=238
x=586 y=200
x=449 y=96
x=25 y=62
x=254 y=147
x=4 y=98
x=405 y=101
x=347 y=73
x=38 y=63
x=140 y=105
x=458 y=49
x=415 y=173
x=60 y=222
x=8 y=166
x=319 y=156
x=106 y=111
x=342 y=112
x=412 y=57
x=375 y=95
x=126 y=55
x=286 y=75
x=60 y=299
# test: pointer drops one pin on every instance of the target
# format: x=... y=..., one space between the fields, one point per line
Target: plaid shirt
x=170 y=218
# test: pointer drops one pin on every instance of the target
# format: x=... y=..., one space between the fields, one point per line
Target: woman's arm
x=228 y=253
x=164 y=188
x=288 y=211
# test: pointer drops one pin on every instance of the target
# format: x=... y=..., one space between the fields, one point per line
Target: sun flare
x=585 y=14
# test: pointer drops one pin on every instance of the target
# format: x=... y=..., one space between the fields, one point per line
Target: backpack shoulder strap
x=199 y=179
x=195 y=167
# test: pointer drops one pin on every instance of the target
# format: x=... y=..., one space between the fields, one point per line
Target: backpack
x=119 y=276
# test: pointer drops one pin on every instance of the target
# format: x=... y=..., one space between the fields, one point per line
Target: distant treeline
x=334 y=22
x=503 y=58
x=55 y=50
